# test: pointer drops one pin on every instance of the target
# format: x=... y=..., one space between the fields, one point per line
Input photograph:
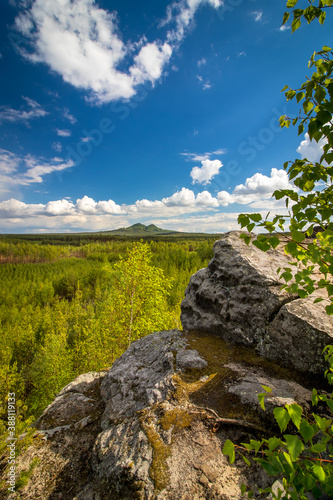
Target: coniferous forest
x=67 y=309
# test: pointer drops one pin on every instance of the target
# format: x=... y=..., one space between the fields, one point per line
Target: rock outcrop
x=154 y=425
x=239 y=297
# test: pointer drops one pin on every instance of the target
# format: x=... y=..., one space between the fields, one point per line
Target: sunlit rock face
x=154 y=425
x=239 y=297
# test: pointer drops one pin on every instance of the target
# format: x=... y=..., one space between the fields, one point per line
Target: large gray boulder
x=239 y=297
x=154 y=425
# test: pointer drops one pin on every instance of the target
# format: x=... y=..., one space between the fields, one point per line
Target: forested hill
x=141 y=229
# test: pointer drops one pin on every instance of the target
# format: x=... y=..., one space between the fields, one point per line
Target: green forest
x=69 y=309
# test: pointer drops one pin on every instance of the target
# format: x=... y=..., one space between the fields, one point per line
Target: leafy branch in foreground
x=310 y=203
x=305 y=457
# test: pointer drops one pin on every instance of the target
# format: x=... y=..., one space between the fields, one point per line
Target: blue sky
x=117 y=112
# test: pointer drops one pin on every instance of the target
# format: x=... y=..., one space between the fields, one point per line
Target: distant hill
x=140 y=230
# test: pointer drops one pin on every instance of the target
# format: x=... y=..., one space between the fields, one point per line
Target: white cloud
x=257 y=189
x=149 y=63
x=261 y=184
x=109 y=207
x=284 y=28
x=242 y=53
x=57 y=146
x=14 y=208
x=206 y=199
x=9 y=162
x=204 y=174
x=201 y=62
x=69 y=116
x=8 y=114
x=63 y=132
x=37 y=168
x=183 y=197
x=205 y=84
x=82 y=43
x=311 y=150
x=203 y=156
x=257 y=15
x=18 y=171
x=59 y=207
x=86 y=205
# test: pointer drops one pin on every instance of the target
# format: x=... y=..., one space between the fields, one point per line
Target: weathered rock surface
x=154 y=425
x=239 y=297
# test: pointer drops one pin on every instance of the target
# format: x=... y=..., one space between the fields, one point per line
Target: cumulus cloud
x=82 y=43
x=311 y=150
x=256 y=189
x=183 y=197
x=12 y=115
x=205 y=173
x=59 y=207
x=63 y=132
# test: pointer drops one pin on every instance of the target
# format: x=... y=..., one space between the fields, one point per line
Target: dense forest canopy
x=69 y=309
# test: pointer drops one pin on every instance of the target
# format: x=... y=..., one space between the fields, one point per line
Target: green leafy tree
x=138 y=298
x=304 y=458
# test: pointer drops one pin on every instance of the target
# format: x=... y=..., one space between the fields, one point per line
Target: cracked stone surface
x=147 y=428
x=239 y=297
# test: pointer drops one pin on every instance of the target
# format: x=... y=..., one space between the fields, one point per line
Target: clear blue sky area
x=117 y=112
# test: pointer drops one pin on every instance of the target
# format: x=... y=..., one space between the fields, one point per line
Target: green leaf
x=319 y=472
x=229 y=449
x=273 y=443
x=291 y=4
x=307 y=106
x=288 y=460
x=295 y=24
x=294 y=445
x=282 y=417
x=255 y=217
x=246 y=460
x=295 y=413
x=266 y=388
x=323 y=423
x=300 y=96
x=318 y=447
x=324 y=116
x=300 y=129
x=246 y=237
x=322 y=17
x=243 y=488
x=286 y=16
x=297 y=236
x=329 y=309
x=261 y=399
x=306 y=430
